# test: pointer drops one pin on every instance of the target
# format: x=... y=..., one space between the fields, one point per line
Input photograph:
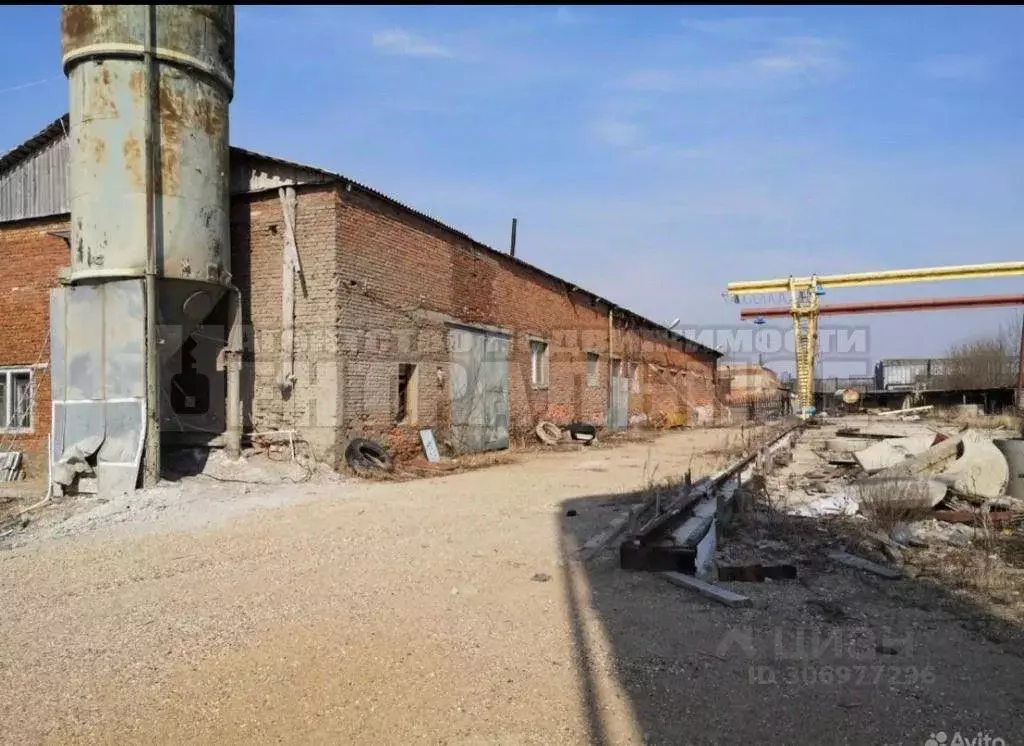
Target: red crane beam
x=893 y=306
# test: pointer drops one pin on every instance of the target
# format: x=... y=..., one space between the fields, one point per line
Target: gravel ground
x=445 y=611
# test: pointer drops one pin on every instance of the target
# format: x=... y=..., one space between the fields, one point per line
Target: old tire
x=363 y=455
x=549 y=433
x=582 y=431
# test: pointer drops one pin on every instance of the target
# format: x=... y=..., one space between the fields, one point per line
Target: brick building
x=399 y=321
x=752 y=391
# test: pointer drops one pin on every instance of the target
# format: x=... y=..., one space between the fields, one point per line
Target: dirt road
x=445 y=611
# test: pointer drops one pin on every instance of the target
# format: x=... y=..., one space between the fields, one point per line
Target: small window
x=15 y=400
x=406 y=414
x=538 y=363
x=593 y=374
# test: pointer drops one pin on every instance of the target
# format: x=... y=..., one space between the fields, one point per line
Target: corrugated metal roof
x=59 y=128
x=53 y=131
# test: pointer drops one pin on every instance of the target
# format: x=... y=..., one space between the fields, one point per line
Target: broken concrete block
x=980 y=470
x=886 y=453
x=848 y=445
x=932 y=461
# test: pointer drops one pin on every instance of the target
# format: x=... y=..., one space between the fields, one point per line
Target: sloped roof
x=59 y=128
x=53 y=131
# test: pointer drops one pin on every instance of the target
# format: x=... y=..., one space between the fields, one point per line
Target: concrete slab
x=886 y=453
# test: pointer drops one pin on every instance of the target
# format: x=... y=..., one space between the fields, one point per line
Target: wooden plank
x=707 y=590
x=289 y=259
x=859 y=563
x=288 y=201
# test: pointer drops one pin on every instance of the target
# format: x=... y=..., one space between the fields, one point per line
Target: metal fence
x=833 y=384
x=762 y=408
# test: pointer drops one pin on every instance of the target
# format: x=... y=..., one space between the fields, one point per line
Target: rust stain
x=77 y=22
x=172 y=104
x=98 y=101
x=99 y=149
x=135 y=83
x=209 y=117
x=133 y=162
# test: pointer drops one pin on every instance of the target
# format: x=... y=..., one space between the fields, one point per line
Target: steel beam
x=894 y=306
x=888 y=277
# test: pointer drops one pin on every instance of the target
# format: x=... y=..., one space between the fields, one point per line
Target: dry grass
x=1010 y=422
x=979 y=573
x=744 y=440
x=891 y=502
x=420 y=468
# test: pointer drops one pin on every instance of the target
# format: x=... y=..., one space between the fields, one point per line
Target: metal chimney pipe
x=512 y=246
x=152 y=458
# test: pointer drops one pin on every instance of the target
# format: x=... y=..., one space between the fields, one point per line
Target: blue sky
x=651 y=154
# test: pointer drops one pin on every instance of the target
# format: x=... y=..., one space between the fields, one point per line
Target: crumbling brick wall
x=402 y=278
x=311 y=405
x=380 y=287
x=31 y=260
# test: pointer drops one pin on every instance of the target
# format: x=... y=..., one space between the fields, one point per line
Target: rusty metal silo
x=192 y=83
x=149 y=89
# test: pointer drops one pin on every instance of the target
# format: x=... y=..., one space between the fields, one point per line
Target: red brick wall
x=402 y=277
x=257 y=246
x=31 y=260
x=379 y=285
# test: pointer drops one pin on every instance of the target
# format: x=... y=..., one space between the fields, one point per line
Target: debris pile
x=827 y=492
x=10 y=466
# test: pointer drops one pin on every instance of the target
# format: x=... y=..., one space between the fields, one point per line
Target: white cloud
x=965 y=68
x=401 y=42
x=802 y=55
x=739 y=27
x=805 y=58
x=618 y=133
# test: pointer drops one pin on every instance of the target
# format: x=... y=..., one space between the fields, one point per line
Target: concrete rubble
x=908 y=485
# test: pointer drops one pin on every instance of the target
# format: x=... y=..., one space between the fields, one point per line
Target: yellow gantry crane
x=805 y=293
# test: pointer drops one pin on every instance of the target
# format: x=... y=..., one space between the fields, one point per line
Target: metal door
x=479 y=389
x=618 y=398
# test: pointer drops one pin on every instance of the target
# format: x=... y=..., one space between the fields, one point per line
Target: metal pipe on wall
x=611 y=352
x=233 y=435
x=152 y=458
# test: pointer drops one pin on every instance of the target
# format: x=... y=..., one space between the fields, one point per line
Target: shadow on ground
x=179 y=463
x=837 y=656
